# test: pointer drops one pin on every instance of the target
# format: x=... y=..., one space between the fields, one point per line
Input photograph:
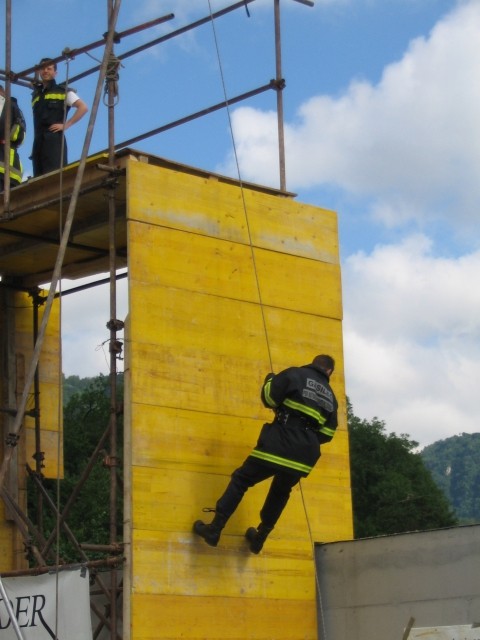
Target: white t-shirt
x=71 y=98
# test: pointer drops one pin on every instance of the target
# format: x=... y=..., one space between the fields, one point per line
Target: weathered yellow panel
x=220 y=618
x=167 y=562
x=220 y=209
x=225 y=284
x=20 y=318
x=51 y=410
x=221 y=268
x=207 y=265
x=6 y=542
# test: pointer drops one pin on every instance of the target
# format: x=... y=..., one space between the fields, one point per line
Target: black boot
x=210 y=532
x=257 y=537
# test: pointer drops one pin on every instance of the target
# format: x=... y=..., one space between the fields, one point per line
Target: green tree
x=453 y=463
x=392 y=490
x=86 y=418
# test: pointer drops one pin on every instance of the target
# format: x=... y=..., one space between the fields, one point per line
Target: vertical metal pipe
x=279 y=82
x=8 y=111
x=36 y=395
x=113 y=334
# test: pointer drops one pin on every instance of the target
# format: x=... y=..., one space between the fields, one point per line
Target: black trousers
x=251 y=473
x=48 y=154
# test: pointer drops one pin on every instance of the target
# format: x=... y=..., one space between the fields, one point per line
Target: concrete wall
x=369 y=589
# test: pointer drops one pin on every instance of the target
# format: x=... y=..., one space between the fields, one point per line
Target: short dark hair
x=46 y=62
x=324 y=362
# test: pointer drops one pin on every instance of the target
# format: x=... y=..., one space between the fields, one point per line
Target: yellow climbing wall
x=225 y=284
x=16 y=325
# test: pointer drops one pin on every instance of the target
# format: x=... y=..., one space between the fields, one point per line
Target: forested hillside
x=455 y=467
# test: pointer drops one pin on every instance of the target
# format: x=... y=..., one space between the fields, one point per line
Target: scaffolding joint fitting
x=68 y=53
x=115 y=325
x=278 y=84
x=39 y=456
x=12 y=439
x=116 y=37
x=110 y=461
x=116 y=346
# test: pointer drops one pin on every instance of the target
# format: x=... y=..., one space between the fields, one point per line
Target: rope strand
x=242 y=191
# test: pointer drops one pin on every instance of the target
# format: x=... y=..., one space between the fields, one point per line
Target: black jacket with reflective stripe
x=304 y=395
x=48 y=104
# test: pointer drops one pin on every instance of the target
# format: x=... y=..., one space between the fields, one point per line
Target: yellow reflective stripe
x=266 y=390
x=283 y=462
x=327 y=432
x=15 y=133
x=308 y=411
x=15 y=174
x=49 y=96
x=54 y=96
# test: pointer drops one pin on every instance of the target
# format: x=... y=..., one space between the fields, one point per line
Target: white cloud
x=85 y=337
x=412 y=348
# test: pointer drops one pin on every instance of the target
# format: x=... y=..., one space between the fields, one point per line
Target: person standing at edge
x=288 y=448
x=16 y=136
x=50 y=105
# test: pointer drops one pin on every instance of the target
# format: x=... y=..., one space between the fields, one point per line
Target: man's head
x=325 y=363
x=47 y=69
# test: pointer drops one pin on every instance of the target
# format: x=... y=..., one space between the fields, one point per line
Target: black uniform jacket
x=48 y=104
x=305 y=417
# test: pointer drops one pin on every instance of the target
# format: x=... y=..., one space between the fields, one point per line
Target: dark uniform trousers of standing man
x=287 y=449
x=49 y=151
x=17 y=135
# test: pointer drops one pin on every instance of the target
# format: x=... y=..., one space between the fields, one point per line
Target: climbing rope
x=242 y=191
x=245 y=211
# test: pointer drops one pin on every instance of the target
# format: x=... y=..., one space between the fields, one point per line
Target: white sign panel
x=48 y=606
x=461 y=632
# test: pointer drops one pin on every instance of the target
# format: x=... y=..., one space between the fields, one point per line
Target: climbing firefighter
x=16 y=137
x=51 y=103
x=305 y=417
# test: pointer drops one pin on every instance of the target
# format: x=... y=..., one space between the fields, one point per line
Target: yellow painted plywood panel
x=183 y=260
x=289 y=226
x=51 y=443
x=187 y=261
x=295 y=338
x=212 y=354
x=199 y=348
x=199 y=351
x=184 y=201
x=215 y=618
x=299 y=284
x=207 y=206
x=191 y=440
x=51 y=413
x=171 y=563
x=6 y=541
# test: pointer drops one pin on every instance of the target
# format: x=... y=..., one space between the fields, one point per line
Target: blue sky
x=381 y=124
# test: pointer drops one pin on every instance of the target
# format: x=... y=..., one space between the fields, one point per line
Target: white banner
x=48 y=606
x=460 y=632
